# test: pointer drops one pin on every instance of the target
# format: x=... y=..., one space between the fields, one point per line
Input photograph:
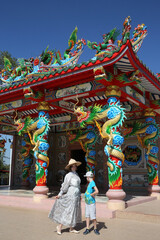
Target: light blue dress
x=67 y=209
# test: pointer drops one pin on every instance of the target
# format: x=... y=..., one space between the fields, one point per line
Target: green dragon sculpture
x=40 y=128
x=24 y=68
x=147 y=134
x=107 y=47
x=110 y=131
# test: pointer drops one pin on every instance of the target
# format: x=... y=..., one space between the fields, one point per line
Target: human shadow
x=82 y=225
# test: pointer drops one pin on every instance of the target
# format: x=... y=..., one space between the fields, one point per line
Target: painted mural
x=73 y=90
x=11 y=105
x=133 y=155
x=133 y=93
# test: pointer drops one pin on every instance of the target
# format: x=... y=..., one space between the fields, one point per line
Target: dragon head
x=22 y=125
x=82 y=115
x=46 y=56
x=28 y=92
x=158 y=75
x=87 y=115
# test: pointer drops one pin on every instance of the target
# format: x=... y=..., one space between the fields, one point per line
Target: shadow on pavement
x=80 y=226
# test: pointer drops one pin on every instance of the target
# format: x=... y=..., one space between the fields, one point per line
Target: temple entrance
x=79 y=155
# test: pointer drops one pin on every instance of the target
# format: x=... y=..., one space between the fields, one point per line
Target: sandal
x=58 y=231
x=74 y=231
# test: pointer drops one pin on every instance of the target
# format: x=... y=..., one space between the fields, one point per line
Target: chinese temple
x=103 y=112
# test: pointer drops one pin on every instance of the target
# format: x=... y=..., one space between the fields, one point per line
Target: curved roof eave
x=70 y=72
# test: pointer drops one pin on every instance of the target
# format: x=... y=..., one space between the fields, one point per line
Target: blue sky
x=27 y=27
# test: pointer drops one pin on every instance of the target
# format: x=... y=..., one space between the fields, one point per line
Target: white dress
x=67 y=209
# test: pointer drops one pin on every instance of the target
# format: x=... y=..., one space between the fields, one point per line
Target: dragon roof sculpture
x=49 y=60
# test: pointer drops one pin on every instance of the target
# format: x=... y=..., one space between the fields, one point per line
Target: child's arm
x=95 y=192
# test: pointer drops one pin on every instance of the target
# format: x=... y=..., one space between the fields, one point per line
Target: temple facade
x=103 y=112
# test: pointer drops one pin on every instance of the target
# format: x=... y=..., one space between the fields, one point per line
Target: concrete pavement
x=31 y=224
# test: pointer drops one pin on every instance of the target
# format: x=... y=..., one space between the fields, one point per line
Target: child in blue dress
x=90 y=203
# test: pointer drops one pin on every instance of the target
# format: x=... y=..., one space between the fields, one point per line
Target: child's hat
x=89 y=174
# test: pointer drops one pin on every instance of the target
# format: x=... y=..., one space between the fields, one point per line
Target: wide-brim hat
x=71 y=162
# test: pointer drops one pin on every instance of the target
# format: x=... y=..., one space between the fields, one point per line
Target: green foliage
x=3 y=165
x=12 y=60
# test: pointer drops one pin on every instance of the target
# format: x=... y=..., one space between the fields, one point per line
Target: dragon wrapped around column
x=109 y=131
x=147 y=134
x=38 y=133
x=87 y=140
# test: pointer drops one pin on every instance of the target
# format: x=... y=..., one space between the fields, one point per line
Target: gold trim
x=43 y=106
x=113 y=90
x=149 y=112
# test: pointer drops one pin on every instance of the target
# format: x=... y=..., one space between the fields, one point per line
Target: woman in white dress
x=67 y=207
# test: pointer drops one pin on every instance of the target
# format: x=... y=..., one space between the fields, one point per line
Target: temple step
x=145 y=212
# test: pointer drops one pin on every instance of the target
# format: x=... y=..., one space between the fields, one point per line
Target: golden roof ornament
x=149 y=112
x=113 y=90
x=43 y=106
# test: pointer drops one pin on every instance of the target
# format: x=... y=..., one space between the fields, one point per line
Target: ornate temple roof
x=62 y=81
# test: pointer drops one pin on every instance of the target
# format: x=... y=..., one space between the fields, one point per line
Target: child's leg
x=95 y=223
x=95 y=227
x=87 y=222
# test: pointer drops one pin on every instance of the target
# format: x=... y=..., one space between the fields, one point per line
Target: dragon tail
x=91 y=45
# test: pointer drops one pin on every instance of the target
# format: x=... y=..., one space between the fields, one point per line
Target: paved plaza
x=23 y=217
x=24 y=224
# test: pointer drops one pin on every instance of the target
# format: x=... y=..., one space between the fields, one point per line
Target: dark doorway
x=79 y=155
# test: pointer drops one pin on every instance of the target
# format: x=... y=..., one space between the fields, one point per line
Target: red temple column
x=40 y=140
x=115 y=116
x=149 y=141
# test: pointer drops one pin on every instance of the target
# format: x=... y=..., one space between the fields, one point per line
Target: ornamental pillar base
x=43 y=190
x=115 y=194
x=116 y=204
x=154 y=191
x=157 y=195
x=116 y=199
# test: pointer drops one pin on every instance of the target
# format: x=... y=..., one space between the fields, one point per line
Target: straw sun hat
x=71 y=162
